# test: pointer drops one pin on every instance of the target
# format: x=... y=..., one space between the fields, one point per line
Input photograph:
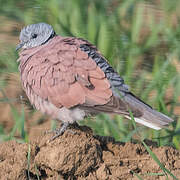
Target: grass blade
x=155 y=158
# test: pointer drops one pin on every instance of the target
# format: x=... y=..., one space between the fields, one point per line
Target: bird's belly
x=71 y=115
x=63 y=114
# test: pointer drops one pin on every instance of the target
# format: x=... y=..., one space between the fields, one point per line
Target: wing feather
x=65 y=75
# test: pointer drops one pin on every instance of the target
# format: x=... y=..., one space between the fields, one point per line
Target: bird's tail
x=142 y=112
x=150 y=117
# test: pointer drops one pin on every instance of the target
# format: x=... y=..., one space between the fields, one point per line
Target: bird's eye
x=34 y=36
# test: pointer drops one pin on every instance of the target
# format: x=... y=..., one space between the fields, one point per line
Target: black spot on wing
x=115 y=80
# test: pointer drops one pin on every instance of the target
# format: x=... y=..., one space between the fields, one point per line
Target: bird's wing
x=65 y=75
x=123 y=100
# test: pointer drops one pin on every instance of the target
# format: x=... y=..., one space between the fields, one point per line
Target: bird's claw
x=60 y=131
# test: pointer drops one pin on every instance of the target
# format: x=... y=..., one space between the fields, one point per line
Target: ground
x=78 y=154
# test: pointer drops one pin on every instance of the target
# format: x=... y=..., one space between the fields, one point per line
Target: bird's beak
x=19 y=46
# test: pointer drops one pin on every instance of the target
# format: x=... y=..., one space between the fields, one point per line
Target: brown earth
x=8 y=33
x=77 y=154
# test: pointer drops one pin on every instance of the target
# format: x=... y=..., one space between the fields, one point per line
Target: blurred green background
x=139 y=39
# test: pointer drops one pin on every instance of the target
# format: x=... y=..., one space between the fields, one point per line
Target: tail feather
x=142 y=112
x=150 y=117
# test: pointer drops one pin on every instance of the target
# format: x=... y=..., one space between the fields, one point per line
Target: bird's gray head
x=35 y=35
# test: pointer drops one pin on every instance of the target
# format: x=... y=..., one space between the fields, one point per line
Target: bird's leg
x=60 y=130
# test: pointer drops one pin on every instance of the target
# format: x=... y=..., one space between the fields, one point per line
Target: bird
x=69 y=79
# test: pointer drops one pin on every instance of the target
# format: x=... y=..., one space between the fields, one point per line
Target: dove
x=69 y=79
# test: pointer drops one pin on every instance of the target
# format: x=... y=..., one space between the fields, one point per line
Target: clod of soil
x=77 y=154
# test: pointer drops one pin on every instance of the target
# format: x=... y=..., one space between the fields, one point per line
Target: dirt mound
x=77 y=154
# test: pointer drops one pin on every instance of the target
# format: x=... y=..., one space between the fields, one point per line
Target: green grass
x=166 y=172
x=148 y=63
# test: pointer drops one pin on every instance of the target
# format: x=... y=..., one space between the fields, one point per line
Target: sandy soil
x=77 y=154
